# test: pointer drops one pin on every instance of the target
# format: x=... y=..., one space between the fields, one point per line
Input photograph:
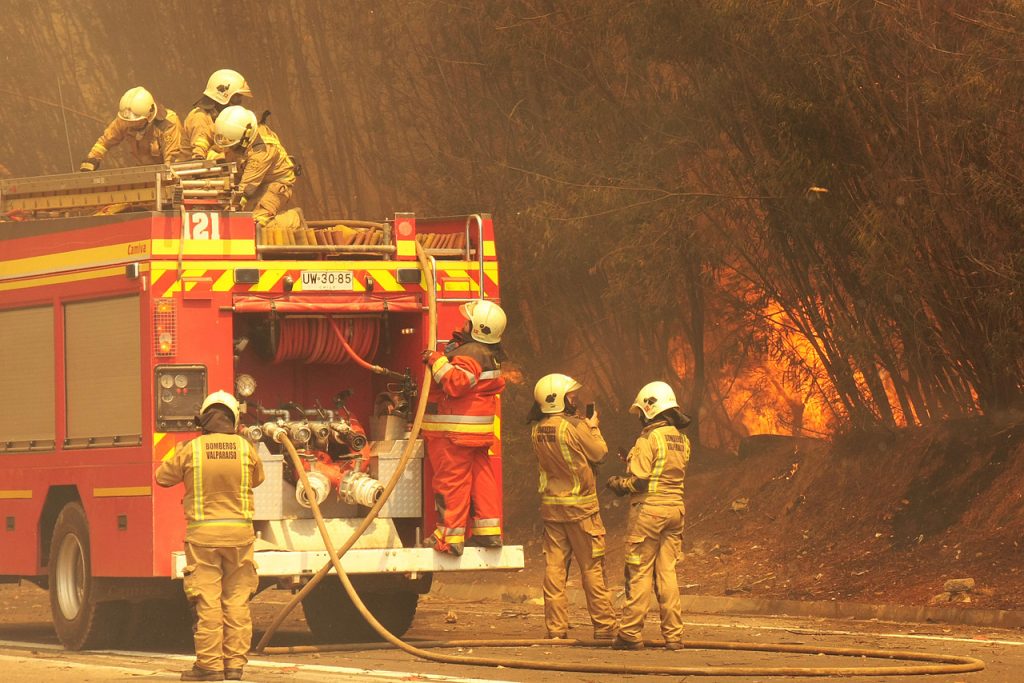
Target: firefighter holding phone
x=567 y=449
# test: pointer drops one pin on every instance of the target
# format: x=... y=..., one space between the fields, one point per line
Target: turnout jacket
x=219 y=472
x=566 y=447
x=158 y=142
x=265 y=161
x=657 y=465
x=198 y=131
x=463 y=399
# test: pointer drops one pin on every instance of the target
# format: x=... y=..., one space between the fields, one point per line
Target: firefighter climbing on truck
x=459 y=430
x=268 y=173
x=225 y=87
x=153 y=131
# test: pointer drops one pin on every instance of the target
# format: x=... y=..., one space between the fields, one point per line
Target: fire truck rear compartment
x=308 y=382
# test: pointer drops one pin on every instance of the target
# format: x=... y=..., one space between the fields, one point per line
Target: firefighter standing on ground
x=268 y=173
x=459 y=430
x=153 y=132
x=224 y=88
x=567 y=447
x=219 y=470
x=656 y=467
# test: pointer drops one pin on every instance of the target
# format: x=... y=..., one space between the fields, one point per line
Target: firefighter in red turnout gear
x=459 y=431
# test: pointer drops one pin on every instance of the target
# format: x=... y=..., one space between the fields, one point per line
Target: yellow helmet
x=222 y=398
x=235 y=125
x=653 y=399
x=136 y=104
x=225 y=84
x=550 y=392
x=487 y=318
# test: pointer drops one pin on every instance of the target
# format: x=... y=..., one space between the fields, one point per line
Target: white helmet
x=550 y=392
x=235 y=125
x=487 y=318
x=225 y=84
x=136 y=104
x=222 y=398
x=653 y=399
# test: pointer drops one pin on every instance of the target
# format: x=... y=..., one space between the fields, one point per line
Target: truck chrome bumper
x=377 y=561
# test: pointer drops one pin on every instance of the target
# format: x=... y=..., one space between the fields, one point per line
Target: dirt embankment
x=880 y=518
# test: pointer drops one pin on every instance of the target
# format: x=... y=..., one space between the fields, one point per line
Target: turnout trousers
x=653 y=545
x=219 y=582
x=584 y=540
x=465 y=492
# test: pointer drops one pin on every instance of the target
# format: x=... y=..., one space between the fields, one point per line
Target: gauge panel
x=180 y=390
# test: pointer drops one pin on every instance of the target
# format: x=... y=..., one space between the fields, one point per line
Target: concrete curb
x=709 y=604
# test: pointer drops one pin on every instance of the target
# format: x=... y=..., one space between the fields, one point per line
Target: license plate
x=327 y=280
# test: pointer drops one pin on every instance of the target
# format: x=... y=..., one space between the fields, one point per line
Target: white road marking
x=362 y=673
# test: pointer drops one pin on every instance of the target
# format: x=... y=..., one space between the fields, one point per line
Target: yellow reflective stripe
x=487 y=531
x=121 y=491
x=660 y=455
x=438 y=364
x=461 y=419
x=197 y=483
x=244 y=487
x=225 y=282
x=569 y=500
x=563 y=447
x=456 y=427
x=454 y=539
x=543 y=478
x=220 y=522
x=632 y=558
x=597 y=552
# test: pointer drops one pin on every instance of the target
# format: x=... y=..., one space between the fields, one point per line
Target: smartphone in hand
x=590 y=410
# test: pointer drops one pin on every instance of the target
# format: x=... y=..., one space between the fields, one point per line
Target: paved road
x=29 y=651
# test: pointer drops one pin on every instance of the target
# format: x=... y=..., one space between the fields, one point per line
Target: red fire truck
x=125 y=297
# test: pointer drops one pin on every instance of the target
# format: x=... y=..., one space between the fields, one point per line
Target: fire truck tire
x=332 y=618
x=81 y=622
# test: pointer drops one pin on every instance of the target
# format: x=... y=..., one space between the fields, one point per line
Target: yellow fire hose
x=941 y=664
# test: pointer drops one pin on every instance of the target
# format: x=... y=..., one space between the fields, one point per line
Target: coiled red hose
x=328 y=340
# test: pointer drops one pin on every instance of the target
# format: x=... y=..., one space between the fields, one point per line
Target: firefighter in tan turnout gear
x=224 y=88
x=219 y=470
x=567 y=448
x=656 y=467
x=153 y=132
x=268 y=173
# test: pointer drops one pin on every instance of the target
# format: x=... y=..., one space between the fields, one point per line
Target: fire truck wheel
x=332 y=618
x=80 y=621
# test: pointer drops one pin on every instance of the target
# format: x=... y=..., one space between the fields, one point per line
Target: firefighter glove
x=617 y=485
x=429 y=356
x=89 y=164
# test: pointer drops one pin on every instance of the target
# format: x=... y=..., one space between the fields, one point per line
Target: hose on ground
x=941 y=664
